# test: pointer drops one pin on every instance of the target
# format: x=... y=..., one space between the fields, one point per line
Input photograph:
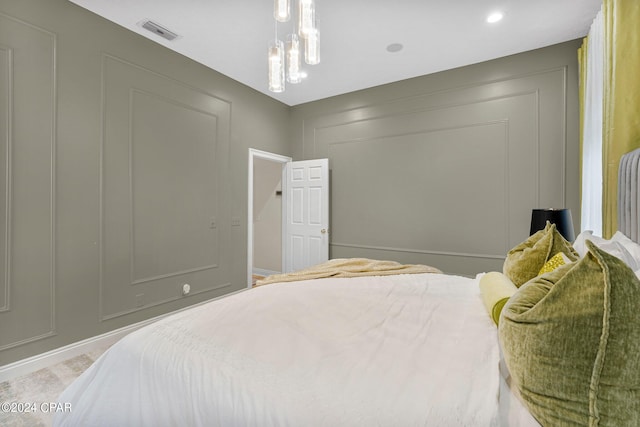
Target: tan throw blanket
x=349 y=267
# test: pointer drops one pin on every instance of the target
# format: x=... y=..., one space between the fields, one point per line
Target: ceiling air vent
x=159 y=30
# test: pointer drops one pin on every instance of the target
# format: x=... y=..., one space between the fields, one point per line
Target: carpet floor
x=38 y=389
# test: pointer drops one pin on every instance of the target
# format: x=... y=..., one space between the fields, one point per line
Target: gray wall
x=122 y=165
x=444 y=169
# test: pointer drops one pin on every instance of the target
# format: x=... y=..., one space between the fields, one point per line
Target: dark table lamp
x=560 y=217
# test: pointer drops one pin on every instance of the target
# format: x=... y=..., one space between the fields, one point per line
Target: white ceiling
x=231 y=36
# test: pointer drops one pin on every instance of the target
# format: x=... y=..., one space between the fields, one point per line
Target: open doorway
x=297 y=195
x=265 y=223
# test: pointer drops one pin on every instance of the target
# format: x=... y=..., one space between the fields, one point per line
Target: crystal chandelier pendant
x=285 y=59
x=293 y=59
x=312 y=47
x=282 y=10
x=306 y=17
x=276 y=66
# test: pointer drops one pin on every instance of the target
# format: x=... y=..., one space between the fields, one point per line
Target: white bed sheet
x=388 y=351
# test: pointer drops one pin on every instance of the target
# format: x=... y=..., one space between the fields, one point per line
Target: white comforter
x=406 y=350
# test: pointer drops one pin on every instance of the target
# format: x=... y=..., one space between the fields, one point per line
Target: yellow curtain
x=621 y=122
x=582 y=66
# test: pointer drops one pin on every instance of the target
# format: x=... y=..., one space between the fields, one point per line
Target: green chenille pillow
x=525 y=260
x=571 y=342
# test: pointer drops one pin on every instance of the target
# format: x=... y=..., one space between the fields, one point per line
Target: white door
x=306 y=218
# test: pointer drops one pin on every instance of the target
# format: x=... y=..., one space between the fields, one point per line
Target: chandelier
x=285 y=58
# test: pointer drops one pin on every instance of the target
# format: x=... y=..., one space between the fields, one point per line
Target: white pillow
x=580 y=243
x=630 y=245
x=619 y=246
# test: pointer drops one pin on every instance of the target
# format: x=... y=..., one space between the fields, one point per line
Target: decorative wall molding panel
x=27 y=182
x=6 y=106
x=164 y=163
x=447 y=177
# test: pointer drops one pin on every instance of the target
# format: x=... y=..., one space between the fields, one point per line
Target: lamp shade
x=560 y=217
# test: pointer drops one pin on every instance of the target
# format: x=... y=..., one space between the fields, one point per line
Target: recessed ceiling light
x=394 y=47
x=494 y=17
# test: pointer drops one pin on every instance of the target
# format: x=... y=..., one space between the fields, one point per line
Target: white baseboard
x=44 y=360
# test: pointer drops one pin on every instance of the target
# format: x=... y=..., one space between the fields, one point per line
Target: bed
x=408 y=349
x=404 y=349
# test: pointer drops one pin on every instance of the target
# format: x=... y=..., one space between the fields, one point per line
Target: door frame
x=254 y=153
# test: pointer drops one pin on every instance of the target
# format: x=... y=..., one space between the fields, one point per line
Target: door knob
x=324 y=231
